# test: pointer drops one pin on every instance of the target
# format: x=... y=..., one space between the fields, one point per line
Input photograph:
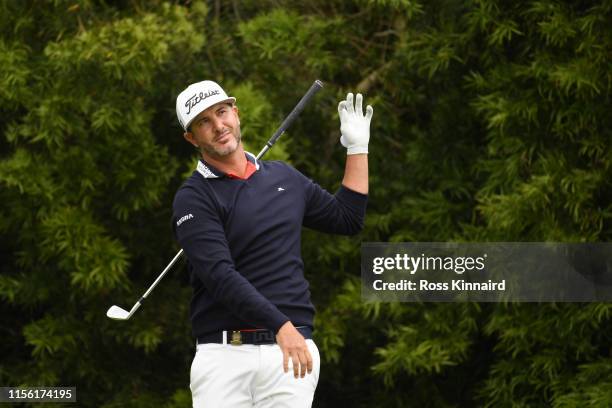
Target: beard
x=228 y=148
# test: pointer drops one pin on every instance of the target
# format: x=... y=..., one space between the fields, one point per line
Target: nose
x=218 y=124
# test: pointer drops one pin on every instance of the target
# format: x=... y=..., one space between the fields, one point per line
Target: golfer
x=239 y=222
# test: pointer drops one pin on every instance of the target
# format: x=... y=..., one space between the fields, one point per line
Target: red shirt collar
x=248 y=172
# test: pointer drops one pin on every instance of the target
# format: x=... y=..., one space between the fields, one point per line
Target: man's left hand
x=294 y=347
x=354 y=125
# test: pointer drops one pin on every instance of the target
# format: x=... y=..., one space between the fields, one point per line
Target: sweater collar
x=209 y=172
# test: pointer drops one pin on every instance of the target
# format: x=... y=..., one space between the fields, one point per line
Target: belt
x=251 y=336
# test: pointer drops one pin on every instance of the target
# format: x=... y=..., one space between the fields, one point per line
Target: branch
x=366 y=83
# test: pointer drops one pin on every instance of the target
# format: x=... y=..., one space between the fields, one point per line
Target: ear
x=237 y=112
x=189 y=137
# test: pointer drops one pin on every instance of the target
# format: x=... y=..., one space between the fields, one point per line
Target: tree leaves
x=492 y=122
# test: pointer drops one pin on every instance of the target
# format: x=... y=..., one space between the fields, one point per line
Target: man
x=239 y=222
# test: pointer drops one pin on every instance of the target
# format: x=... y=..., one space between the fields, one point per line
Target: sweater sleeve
x=199 y=230
x=341 y=213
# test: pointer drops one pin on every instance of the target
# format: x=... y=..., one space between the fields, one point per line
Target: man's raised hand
x=354 y=125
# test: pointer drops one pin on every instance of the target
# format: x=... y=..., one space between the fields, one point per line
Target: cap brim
x=230 y=99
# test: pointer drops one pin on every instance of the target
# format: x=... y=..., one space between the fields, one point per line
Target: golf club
x=117 y=313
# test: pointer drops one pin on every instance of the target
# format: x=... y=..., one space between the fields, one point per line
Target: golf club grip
x=314 y=88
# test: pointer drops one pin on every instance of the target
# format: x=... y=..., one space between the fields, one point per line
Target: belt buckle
x=236 y=338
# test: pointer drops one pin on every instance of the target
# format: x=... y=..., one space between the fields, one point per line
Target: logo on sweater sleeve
x=183 y=219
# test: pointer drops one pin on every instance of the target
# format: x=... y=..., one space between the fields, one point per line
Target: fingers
x=296 y=367
x=347 y=106
x=309 y=362
x=349 y=103
x=305 y=363
x=342 y=110
x=358 y=104
x=285 y=361
x=302 y=363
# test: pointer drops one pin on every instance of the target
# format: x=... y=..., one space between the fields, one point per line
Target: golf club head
x=117 y=313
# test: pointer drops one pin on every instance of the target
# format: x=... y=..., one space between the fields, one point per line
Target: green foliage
x=258 y=121
x=80 y=162
x=492 y=123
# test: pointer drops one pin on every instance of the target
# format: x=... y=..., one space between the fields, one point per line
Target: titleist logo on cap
x=197 y=98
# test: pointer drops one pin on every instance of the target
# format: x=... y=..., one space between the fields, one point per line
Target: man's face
x=216 y=130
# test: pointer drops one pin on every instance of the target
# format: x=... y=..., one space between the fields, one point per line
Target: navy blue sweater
x=242 y=239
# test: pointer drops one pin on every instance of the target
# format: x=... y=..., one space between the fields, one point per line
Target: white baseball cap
x=197 y=98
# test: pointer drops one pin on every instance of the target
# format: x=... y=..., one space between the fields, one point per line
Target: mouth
x=222 y=138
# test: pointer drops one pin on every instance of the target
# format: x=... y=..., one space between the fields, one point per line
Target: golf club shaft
x=161 y=275
x=315 y=87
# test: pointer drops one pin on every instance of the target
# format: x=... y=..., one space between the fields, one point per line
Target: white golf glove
x=354 y=126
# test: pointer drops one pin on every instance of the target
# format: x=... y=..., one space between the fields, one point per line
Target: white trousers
x=249 y=376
